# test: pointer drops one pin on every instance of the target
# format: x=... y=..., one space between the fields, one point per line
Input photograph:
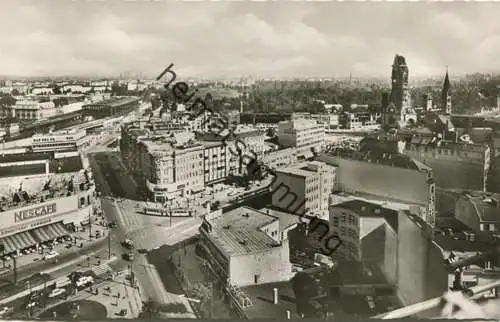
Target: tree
x=7 y=100
x=15 y=92
x=56 y=90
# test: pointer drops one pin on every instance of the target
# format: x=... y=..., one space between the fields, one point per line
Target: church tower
x=445 y=95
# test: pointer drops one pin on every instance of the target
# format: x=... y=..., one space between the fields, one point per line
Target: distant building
x=246 y=247
x=111 y=107
x=27 y=110
x=479 y=211
x=303 y=188
x=306 y=135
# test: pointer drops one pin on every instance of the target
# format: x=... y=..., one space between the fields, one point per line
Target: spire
x=445 y=94
x=446 y=85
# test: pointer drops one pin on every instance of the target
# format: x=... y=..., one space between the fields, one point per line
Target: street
x=147 y=232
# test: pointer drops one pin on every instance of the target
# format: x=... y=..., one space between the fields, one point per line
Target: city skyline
x=236 y=39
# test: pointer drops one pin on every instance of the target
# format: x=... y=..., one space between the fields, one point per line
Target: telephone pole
x=109 y=243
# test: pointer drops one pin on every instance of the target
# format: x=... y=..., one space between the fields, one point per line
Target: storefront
x=32 y=225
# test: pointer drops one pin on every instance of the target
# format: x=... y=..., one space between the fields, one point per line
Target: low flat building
x=246 y=247
x=58 y=141
x=111 y=107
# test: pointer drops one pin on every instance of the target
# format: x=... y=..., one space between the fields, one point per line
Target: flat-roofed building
x=246 y=247
x=111 y=107
x=303 y=187
x=305 y=135
x=59 y=141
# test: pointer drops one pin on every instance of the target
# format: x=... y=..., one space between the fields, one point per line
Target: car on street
x=84 y=280
x=111 y=224
x=51 y=254
x=31 y=305
x=56 y=292
x=6 y=310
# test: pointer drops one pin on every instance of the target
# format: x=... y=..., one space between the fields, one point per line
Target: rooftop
x=394 y=160
x=368 y=209
x=262 y=300
x=22 y=191
x=286 y=219
x=115 y=102
x=237 y=232
x=301 y=124
x=304 y=169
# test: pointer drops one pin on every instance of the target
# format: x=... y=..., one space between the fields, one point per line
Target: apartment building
x=165 y=164
x=305 y=135
x=246 y=246
x=215 y=162
x=303 y=188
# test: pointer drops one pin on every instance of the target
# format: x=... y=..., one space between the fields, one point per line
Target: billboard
x=67 y=209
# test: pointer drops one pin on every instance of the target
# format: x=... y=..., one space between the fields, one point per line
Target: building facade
x=111 y=107
x=58 y=141
x=246 y=247
x=305 y=135
x=27 y=110
x=470 y=163
x=395 y=178
x=44 y=218
x=215 y=162
x=303 y=188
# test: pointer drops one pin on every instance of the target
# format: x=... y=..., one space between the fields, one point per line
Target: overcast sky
x=263 y=39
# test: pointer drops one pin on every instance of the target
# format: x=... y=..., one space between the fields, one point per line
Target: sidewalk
x=82 y=237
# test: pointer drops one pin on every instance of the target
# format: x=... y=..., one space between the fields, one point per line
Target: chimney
x=275 y=295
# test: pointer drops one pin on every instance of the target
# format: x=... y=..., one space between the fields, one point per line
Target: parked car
x=56 y=292
x=6 y=310
x=51 y=254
